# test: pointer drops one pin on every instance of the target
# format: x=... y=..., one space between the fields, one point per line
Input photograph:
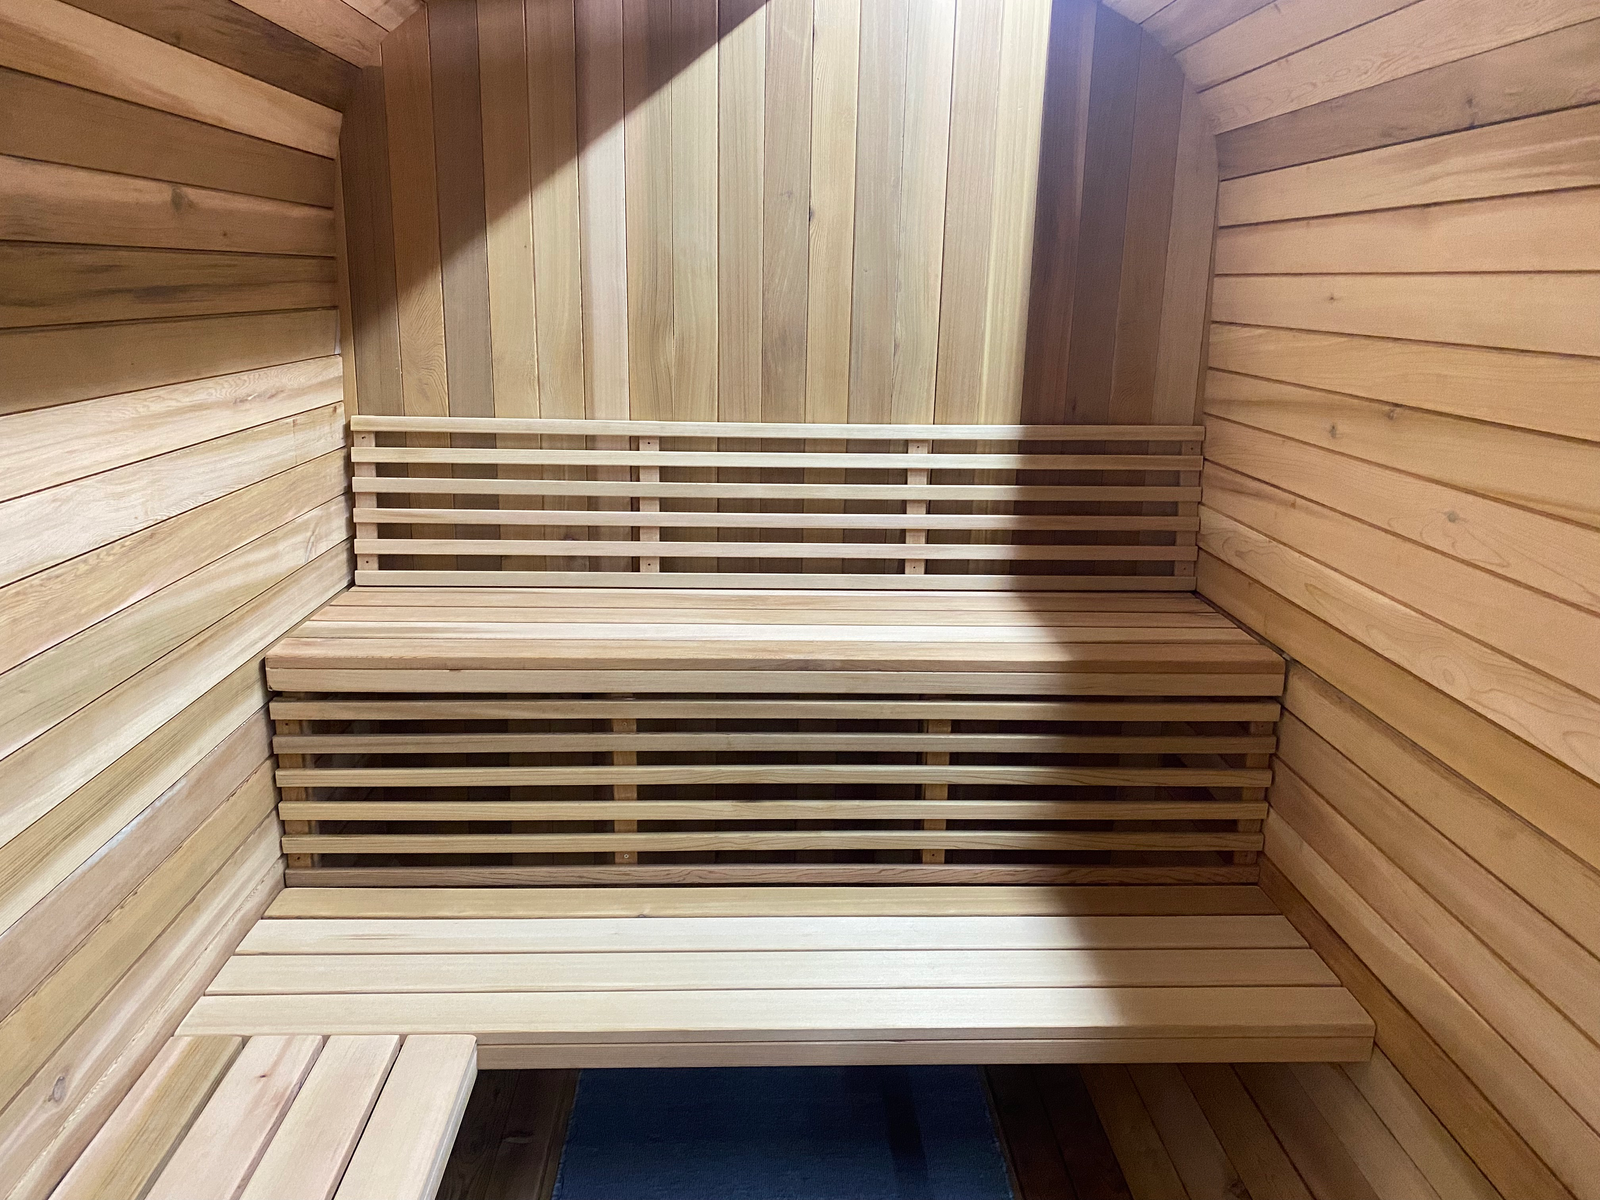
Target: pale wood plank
x=1262 y=1164
x=403 y=1152
x=603 y=195
x=1145 y=1163
x=222 y=1148
x=1274 y=31
x=1187 y=1137
x=133 y=1146
x=311 y=1148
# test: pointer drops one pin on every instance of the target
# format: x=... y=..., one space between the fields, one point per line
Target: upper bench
x=729 y=505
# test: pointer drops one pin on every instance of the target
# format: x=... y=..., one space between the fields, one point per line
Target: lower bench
x=700 y=977
x=283 y=1117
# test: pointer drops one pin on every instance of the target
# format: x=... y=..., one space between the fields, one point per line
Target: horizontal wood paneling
x=818 y=210
x=1401 y=493
x=171 y=436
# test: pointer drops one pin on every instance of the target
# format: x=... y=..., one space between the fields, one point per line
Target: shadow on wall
x=793 y=210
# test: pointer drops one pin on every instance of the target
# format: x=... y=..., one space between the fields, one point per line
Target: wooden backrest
x=494 y=501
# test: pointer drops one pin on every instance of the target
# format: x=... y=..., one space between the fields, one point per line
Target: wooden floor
x=799 y=976
x=389 y=639
x=1155 y=1131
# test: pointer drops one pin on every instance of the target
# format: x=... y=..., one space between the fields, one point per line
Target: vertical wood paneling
x=741 y=144
x=508 y=206
x=786 y=209
x=413 y=188
x=795 y=209
x=835 y=80
x=463 y=242
x=603 y=193
x=558 y=211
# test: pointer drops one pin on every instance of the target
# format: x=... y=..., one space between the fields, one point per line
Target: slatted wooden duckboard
x=461 y=501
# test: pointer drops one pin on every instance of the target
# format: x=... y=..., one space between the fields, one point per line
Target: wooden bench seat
x=283 y=1117
x=833 y=975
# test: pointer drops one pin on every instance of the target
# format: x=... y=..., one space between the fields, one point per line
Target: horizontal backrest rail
x=597 y=518
x=738 y=742
x=1015 y=493
x=775 y=579
x=1032 y=776
x=774 y=460
x=556 y=426
x=761 y=708
x=935 y=551
x=770 y=810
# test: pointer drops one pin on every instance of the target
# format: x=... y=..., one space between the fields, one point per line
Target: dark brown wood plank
x=55 y=122
x=43 y=284
x=232 y=35
x=1056 y=210
x=1543 y=74
x=511 y=1136
x=1091 y=1162
x=369 y=249
x=1027 y=1135
x=1108 y=158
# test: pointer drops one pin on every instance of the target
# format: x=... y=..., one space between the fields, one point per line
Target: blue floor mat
x=782 y=1133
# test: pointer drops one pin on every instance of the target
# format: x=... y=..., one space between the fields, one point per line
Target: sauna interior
x=1059 y=539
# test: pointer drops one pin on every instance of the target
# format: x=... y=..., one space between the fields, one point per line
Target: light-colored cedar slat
x=327 y=974
x=58 y=41
x=937 y=1014
x=1186 y=1135
x=1244 y=1133
x=405 y=903
x=998 y=710
x=133 y=1146
x=775 y=874
x=1271 y=32
x=730 y=458
x=773 y=491
x=934 y=583
x=782 y=431
x=773 y=773
x=436 y=934
x=227 y=1139
x=631 y=809
x=768 y=520
x=934 y=739
x=822 y=839
x=910 y=1051
x=913 y=552
x=406 y=1144
x=312 y=1147
x=764 y=599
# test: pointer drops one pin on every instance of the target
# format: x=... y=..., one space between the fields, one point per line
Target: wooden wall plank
x=1543 y=74
x=39 y=368
x=1186 y=296
x=408 y=96
x=603 y=199
x=1419 y=36
x=507 y=146
x=341 y=29
x=1274 y=31
x=1158 y=111
x=244 y=38
x=58 y=123
x=61 y=285
x=1184 y=22
x=370 y=249
x=58 y=41
x=1108 y=157
x=561 y=239
x=463 y=243
x=1542 y=153
x=829 y=272
x=786 y=209
x=1546 y=312
x=45 y=202
x=741 y=207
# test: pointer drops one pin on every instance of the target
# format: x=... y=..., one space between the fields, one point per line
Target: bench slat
x=761 y=429
x=402 y=1154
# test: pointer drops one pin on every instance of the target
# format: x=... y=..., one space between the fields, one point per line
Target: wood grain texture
x=750 y=215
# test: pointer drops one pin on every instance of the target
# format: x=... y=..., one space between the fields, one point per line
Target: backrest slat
x=483 y=501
